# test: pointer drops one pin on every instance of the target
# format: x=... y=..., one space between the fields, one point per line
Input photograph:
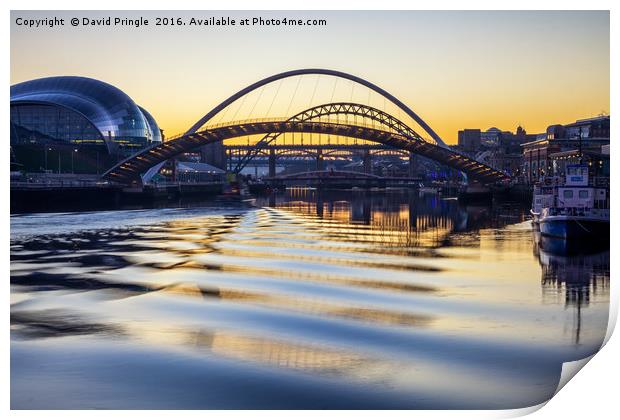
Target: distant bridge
x=383 y=129
x=326 y=175
x=283 y=148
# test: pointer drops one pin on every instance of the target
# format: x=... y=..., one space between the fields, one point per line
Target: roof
x=591 y=119
x=575 y=152
x=586 y=142
x=198 y=167
x=108 y=108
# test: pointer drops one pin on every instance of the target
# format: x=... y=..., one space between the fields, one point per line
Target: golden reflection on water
x=307 y=306
x=278 y=353
x=394 y=229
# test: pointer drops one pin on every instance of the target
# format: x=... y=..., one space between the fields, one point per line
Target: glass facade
x=79 y=109
x=35 y=124
x=155 y=133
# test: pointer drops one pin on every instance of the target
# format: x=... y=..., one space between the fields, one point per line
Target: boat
x=579 y=208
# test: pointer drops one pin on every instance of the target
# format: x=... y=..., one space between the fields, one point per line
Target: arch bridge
x=129 y=170
x=346 y=119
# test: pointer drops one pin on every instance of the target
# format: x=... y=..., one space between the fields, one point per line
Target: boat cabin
x=577 y=193
x=576 y=175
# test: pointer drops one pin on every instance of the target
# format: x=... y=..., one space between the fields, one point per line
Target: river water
x=306 y=299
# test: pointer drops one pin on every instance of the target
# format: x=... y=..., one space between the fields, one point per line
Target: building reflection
x=409 y=217
x=577 y=275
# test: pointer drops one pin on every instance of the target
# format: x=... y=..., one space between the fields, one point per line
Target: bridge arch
x=301 y=72
x=336 y=108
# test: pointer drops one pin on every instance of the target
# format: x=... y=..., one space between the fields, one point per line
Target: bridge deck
x=129 y=170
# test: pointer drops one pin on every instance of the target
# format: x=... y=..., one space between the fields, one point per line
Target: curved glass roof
x=155 y=132
x=108 y=108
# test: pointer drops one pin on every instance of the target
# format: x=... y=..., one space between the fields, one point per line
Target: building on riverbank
x=70 y=124
x=564 y=143
x=500 y=149
x=183 y=172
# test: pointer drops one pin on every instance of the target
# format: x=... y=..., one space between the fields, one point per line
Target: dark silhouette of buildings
x=582 y=140
x=469 y=140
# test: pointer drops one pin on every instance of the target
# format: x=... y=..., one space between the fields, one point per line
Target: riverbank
x=74 y=195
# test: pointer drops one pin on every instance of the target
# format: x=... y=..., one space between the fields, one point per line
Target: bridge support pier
x=272 y=163
x=319 y=160
x=413 y=165
x=229 y=164
x=367 y=162
x=173 y=169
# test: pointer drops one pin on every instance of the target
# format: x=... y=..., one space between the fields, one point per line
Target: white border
x=593 y=394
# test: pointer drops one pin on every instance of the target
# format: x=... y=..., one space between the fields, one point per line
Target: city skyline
x=455 y=69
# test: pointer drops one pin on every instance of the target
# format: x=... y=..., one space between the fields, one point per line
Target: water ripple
x=393 y=301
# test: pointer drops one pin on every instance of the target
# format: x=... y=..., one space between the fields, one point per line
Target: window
x=568 y=193
x=583 y=194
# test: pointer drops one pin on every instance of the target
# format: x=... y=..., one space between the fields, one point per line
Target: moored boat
x=575 y=224
x=579 y=208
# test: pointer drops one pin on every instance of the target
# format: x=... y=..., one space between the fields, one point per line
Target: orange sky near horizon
x=455 y=69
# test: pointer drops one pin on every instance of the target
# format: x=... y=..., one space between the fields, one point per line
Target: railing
x=579 y=211
x=182 y=183
x=342 y=121
x=560 y=181
x=57 y=184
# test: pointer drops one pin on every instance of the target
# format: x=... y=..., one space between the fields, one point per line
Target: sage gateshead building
x=75 y=124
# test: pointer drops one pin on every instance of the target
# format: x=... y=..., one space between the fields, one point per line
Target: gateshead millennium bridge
x=347 y=119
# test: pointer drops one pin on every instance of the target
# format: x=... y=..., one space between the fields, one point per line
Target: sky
x=456 y=70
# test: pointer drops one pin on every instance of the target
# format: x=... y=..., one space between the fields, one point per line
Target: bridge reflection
x=404 y=217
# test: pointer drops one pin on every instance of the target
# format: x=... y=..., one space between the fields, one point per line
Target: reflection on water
x=309 y=299
x=575 y=275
